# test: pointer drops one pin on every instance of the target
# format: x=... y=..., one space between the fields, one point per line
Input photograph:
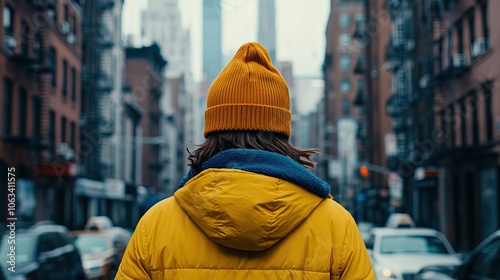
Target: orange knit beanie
x=249 y=94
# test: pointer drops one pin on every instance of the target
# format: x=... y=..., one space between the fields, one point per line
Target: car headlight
x=387 y=274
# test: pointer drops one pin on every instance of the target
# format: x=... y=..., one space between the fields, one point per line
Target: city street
x=110 y=108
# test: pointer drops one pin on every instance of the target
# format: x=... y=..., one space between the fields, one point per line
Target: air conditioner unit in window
x=71 y=38
x=64 y=27
x=479 y=47
x=10 y=41
x=460 y=60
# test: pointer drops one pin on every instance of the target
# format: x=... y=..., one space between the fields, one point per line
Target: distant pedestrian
x=248 y=208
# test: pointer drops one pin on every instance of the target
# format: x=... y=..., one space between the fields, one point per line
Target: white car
x=399 y=253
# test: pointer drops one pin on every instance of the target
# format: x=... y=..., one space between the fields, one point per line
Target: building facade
x=178 y=102
x=144 y=75
x=341 y=86
x=40 y=53
x=450 y=81
x=267 y=26
x=212 y=39
x=379 y=141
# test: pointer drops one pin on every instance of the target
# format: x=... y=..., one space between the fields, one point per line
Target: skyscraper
x=267 y=26
x=212 y=39
x=161 y=23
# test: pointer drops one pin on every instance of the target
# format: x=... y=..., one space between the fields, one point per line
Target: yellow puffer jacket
x=234 y=224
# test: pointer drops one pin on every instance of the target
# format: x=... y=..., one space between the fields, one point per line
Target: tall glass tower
x=212 y=39
x=267 y=27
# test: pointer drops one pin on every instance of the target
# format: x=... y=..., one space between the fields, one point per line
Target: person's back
x=248 y=208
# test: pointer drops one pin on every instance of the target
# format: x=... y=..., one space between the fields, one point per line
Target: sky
x=300 y=26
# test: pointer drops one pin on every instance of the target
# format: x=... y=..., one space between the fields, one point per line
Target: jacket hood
x=244 y=209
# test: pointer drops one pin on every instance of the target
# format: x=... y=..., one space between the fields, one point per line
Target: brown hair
x=260 y=140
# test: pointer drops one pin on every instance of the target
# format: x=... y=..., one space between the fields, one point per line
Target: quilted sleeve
x=354 y=260
x=136 y=259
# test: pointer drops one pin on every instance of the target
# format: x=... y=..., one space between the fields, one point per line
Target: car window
x=46 y=243
x=412 y=244
x=92 y=244
x=487 y=261
x=59 y=240
x=24 y=249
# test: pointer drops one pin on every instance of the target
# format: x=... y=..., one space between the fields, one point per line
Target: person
x=248 y=208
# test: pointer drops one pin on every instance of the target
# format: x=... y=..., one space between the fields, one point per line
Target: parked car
x=400 y=220
x=399 y=253
x=42 y=250
x=102 y=251
x=483 y=262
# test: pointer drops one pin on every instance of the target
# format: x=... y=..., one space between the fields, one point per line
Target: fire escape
x=399 y=57
x=33 y=55
x=97 y=83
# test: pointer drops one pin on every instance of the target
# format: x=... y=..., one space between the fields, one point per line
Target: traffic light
x=363 y=171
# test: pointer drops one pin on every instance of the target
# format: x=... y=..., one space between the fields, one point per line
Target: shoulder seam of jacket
x=146 y=245
x=345 y=245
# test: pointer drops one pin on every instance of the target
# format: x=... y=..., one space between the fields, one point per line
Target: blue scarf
x=265 y=163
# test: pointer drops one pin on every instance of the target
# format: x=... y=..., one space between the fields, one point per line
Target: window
x=73 y=84
x=22 y=111
x=345 y=63
x=450 y=47
x=444 y=129
x=63 y=129
x=463 y=122
x=8 y=27
x=473 y=107
x=472 y=34
x=7 y=106
x=344 y=20
x=412 y=243
x=460 y=37
x=346 y=107
x=488 y=110
x=8 y=18
x=484 y=19
x=359 y=20
x=52 y=128
x=440 y=56
x=72 y=135
x=452 y=126
x=66 y=13
x=25 y=35
x=65 y=78
x=53 y=63
x=345 y=39
x=36 y=44
x=73 y=28
x=36 y=117
x=345 y=86
x=401 y=32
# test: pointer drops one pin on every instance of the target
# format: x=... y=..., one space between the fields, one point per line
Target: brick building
x=380 y=150
x=144 y=75
x=449 y=85
x=40 y=57
x=342 y=85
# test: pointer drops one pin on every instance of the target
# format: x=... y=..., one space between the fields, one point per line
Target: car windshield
x=423 y=244
x=92 y=244
x=24 y=244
